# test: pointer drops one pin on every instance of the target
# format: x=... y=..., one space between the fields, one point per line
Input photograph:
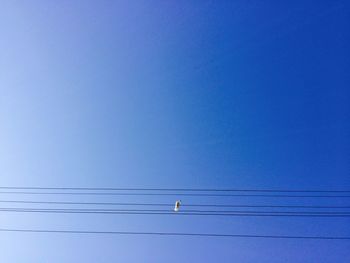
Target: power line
x=87 y=203
x=235 y=214
x=184 y=211
x=174 y=189
x=173 y=234
x=170 y=205
x=173 y=194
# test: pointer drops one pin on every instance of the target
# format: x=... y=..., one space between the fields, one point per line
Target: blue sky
x=194 y=94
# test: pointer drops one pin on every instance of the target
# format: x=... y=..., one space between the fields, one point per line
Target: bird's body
x=177 y=205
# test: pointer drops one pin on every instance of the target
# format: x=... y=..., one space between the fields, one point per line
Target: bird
x=177 y=205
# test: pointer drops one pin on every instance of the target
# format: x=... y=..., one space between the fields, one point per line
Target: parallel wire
x=236 y=214
x=173 y=194
x=172 y=234
x=170 y=205
x=184 y=211
x=175 y=189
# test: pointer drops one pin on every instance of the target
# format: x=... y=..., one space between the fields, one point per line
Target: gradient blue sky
x=218 y=94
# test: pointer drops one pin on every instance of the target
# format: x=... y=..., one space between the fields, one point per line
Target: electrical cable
x=174 y=189
x=173 y=194
x=235 y=214
x=169 y=205
x=183 y=211
x=172 y=234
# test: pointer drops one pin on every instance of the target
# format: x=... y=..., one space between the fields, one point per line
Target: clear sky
x=182 y=94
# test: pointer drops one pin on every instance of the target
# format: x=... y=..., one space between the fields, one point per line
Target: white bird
x=177 y=205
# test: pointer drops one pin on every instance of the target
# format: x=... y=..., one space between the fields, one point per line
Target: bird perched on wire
x=177 y=205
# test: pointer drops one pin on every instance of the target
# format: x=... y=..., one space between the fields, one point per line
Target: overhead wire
x=167 y=212
x=174 y=189
x=184 y=234
x=169 y=205
x=83 y=191
x=184 y=211
x=173 y=194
